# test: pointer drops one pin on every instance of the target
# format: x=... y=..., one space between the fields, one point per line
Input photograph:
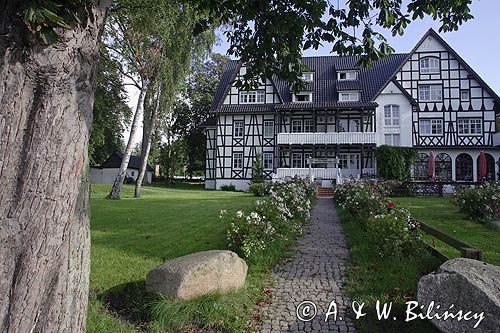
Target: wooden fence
x=466 y=250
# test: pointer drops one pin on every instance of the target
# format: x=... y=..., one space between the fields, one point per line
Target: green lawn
x=443 y=215
x=132 y=236
x=371 y=278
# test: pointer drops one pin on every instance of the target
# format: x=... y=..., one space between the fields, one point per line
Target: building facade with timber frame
x=430 y=99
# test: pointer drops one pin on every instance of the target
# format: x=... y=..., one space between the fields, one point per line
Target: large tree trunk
x=118 y=183
x=46 y=99
x=149 y=124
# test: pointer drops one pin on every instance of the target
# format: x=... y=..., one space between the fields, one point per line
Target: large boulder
x=469 y=285
x=197 y=274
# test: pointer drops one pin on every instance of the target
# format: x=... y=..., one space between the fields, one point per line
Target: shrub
x=395 y=162
x=229 y=188
x=258 y=189
x=481 y=203
x=394 y=234
x=363 y=199
x=276 y=218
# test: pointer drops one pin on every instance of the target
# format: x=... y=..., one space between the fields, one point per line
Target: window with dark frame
x=463 y=167
x=309 y=125
x=238 y=128
x=237 y=160
x=296 y=160
x=464 y=95
x=297 y=126
x=268 y=128
x=267 y=159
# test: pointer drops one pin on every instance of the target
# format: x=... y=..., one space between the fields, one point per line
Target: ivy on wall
x=395 y=162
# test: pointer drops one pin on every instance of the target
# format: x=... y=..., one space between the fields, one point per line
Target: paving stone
x=314 y=272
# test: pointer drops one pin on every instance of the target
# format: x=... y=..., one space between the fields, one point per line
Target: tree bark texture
x=46 y=100
x=139 y=110
x=149 y=124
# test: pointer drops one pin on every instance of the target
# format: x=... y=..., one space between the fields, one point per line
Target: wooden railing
x=327 y=138
x=466 y=250
x=324 y=173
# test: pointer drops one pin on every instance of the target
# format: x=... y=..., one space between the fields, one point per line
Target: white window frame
x=467 y=98
x=294 y=128
x=238 y=129
x=293 y=160
x=430 y=65
x=392 y=139
x=349 y=75
x=252 y=97
x=470 y=126
x=349 y=96
x=308 y=76
x=430 y=93
x=392 y=115
x=268 y=131
x=268 y=161
x=309 y=125
x=308 y=94
x=433 y=125
x=237 y=161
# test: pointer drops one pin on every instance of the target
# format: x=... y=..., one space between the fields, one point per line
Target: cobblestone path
x=315 y=272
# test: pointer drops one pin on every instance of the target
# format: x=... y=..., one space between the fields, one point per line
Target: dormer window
x=347 y=75
x=303 y=97
x=429 y=65
x=349 y=96
x=252 y=97
x=307 y=77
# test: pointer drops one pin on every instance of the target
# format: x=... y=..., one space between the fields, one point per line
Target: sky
x=476 y=41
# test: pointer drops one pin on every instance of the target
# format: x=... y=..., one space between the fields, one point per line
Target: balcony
x=324 y=173
x=343 y=138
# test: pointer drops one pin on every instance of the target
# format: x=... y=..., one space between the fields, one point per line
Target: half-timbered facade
x=429 y=99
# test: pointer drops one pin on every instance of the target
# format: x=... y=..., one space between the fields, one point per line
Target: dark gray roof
x=325 y=86
x=115 y=160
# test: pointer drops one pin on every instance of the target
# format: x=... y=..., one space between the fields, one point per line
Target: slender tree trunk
x=46 y=100
x=149 y=124
x=118 y=183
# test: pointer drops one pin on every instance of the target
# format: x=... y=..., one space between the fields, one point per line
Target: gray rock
x=470 y=285
x=197 y=274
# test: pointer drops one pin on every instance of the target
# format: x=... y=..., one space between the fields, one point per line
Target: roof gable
x=423 y=46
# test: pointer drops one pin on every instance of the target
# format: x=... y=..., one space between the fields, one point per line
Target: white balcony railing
x=326 y=138
x=324 y=173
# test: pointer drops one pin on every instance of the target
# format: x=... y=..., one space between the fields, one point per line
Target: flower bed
x=276 y=218
x=391 y=229
x=481 y=203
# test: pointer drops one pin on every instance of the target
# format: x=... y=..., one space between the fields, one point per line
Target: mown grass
x=371 y=278
x=443 y=215
x=132 y=236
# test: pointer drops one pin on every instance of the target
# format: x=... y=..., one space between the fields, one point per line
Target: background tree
x=111 y=112
x=48 y=56
x=192 y=109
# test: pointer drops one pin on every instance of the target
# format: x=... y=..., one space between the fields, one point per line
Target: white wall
x=393 y=95
x=239 y=184
x=107 y=176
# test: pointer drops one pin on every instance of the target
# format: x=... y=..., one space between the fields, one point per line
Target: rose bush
x=395 y=233
x=277 y=217
x=363 y=199
x=391 y=230
x=481 y=203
